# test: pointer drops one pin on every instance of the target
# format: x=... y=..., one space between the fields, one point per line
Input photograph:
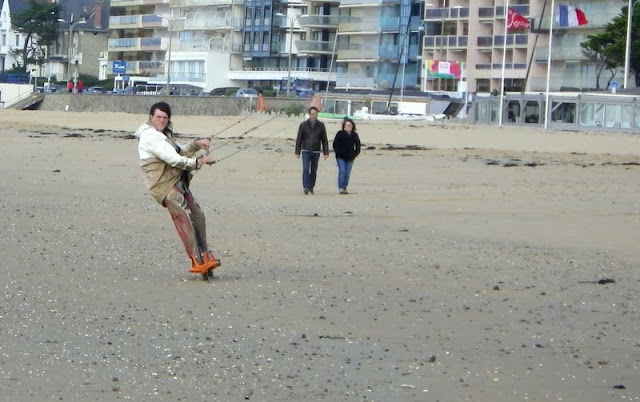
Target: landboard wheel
x=210 y=273
x=205 y=276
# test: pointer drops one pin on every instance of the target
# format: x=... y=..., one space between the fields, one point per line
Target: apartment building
x=211 y=43
x=352 y=44
x=472 y=34
x=379 y=44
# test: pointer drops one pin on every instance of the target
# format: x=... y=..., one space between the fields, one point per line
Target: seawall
x=182 y=105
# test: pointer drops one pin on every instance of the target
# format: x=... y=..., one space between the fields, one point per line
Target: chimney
x=97 y=14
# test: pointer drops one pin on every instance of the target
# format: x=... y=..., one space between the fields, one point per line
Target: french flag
x=569 y=16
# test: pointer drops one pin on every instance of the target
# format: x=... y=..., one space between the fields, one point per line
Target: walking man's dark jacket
x=312 y=137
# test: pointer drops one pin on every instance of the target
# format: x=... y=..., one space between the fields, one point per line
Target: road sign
x=614 y=86
x=119 y=67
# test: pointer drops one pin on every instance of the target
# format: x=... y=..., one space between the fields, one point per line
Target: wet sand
x=463 y=266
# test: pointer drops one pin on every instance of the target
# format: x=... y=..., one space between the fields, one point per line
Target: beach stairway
x=30 y=102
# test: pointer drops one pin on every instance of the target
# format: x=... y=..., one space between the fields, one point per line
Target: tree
x=38 y=22
x=597 y=48
x=607 y=49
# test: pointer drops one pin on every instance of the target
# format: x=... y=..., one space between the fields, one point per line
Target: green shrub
x=293 y=109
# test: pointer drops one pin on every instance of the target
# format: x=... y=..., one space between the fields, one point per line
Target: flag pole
x=627 y=47
x=504 y=59
x=547 y=106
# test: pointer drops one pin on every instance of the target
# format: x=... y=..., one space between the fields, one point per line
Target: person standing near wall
x=311 y=141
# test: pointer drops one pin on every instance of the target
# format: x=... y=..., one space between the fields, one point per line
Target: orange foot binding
x=198 y=268
x=210 y=260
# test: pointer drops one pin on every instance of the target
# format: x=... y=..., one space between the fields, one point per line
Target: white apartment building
x=472 y=33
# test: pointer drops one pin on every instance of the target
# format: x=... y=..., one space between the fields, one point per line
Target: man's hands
x=203 y=143
x=208 y=159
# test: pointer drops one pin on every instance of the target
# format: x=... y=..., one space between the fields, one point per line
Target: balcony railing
x=209 y=21
x=386 y=24
x=137 y=44
x=133 y=3
x=312 y=46
x=322 y=21
x=438 y=14
x=182 y=77
x=135 y=21
x=366 y=3
x=358 y=54
x=448 y=42
x=496 y=66
x=189 y=3
x=519 y=40
x=491 y=12
x=393 y=24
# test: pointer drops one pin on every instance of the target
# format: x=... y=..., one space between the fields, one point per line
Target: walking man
x=311 y=141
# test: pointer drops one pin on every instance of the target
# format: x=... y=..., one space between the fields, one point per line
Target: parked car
x=246 y=93
x=306 y=93
x=95 y=90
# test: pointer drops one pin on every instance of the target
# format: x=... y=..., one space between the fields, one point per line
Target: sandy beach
x=468 y=263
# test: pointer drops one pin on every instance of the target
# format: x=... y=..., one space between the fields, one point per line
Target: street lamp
x=627 y=52
x=71 y=26
x=291 y=21
x=170 y=22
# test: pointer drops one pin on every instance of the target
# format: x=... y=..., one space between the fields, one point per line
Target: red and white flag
x=516 y=21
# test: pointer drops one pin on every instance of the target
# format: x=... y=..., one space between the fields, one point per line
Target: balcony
x=498 y=12
x=393 y=24
x=439 y=14
x=360 y=25
x=202 y=44
x=145 y=68
x=357 y=53
x=135 y=3
x=181 y=77
x=446 y=42
x=137 y=44
x=518 y=41
x=197 y=3
x=560 y=53
x=313 y=46
x=277 y=74
x=366 y=3
x=498 y=66
x=135 y=21
x=322 y=21
x=210 y=22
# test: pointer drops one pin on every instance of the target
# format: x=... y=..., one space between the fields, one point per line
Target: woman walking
x=346 y=145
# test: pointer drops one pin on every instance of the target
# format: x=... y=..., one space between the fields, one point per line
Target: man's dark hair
x=163 y=107
x=313 y=108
